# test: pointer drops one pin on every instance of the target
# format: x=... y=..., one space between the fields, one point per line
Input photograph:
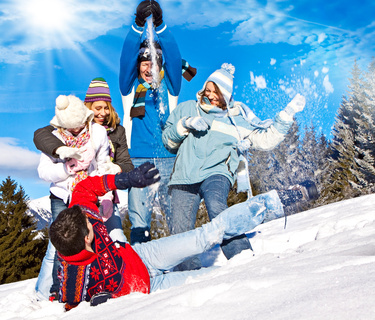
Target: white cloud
x=316 y=73
x=327 y=85
x=321 y=37
x=16 y=160
x=273 y=61
x=325 y=69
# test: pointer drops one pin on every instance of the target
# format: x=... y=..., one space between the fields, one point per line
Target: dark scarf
x=138 y=108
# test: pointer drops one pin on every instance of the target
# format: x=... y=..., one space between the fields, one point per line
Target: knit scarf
x=76 y=142
x=138 y=108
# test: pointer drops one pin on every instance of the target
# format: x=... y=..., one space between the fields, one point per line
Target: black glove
x=100 y=298
x=157 y=13
x=143 y=11
x=140 y=177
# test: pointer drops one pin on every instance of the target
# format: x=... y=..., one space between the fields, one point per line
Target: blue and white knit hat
x=224 y=80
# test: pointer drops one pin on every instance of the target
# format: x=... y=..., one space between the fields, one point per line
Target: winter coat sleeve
x=51 y=169
x=172 y=59
x=101 y=145
x=86 y=192
x=267 y=138
x=122 y=157
x=174 y=133
x=47 y=142
x=128 y=59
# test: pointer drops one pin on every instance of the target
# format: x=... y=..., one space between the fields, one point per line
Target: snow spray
x=154 y=69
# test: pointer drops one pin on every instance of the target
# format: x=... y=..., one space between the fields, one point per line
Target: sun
x=48 y=15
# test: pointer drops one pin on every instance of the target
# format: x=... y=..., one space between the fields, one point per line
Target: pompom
x=62 y=102
x=228 y=67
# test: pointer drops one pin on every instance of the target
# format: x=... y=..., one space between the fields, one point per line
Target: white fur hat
x=70 y=112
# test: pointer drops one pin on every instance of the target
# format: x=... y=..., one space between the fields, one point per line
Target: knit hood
x=223 y=78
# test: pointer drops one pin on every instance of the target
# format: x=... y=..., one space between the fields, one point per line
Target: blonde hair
x=113 y=118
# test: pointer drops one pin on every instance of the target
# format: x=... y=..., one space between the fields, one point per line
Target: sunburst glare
x=47 y=15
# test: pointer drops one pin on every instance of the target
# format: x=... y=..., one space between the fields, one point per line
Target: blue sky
x=278 y=47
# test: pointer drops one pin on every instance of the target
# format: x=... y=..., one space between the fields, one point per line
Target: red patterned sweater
x=112 y=268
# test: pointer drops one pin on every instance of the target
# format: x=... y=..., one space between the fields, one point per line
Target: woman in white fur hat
x=208 y=136
x=74 y=127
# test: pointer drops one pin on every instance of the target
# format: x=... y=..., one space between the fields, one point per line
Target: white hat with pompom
x=223 y=78
x=70 y=112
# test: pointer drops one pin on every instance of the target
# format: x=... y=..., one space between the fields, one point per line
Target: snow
x=320 y=267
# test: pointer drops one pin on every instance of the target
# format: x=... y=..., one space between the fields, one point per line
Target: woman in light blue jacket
x=208 y=135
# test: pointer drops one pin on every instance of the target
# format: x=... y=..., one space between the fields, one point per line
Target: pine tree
x=345 y=178
x=21 y=247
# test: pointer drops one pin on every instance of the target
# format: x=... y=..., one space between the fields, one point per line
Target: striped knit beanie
x=98 y=91
x=224 y=80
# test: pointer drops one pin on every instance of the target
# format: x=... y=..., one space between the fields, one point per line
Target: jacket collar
x=82 y=258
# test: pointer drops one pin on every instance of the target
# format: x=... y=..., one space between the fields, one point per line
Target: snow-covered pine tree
x=345 y=178
x=21 y=247
x=288 y=164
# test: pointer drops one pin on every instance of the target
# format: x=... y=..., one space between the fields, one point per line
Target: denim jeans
x=48 y=281
x=165 y=253
x=185 y=203
x=141 y=200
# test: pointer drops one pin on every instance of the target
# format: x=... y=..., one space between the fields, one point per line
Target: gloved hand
x=74 y=165
x=196 y=123
x=109 y=167
x=243 y=145
x=143 y=11
x=157 y=13
x=296 y=105
x=68 y=152
x=142 y=176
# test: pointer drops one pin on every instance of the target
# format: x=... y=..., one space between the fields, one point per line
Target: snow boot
x=304 y=191
x=139 y=235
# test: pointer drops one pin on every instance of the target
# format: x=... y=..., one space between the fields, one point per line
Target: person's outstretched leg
x=165 y=253
x=215 y=190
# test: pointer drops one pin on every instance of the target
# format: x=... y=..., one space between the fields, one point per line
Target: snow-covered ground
x=322 y=266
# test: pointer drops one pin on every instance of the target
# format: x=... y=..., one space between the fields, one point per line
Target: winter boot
x=139 y=235
x=304 y=191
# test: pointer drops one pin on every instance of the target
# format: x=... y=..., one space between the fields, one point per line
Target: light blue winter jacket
x=203 y=154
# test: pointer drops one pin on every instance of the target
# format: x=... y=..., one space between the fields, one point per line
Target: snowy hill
x=322 y=266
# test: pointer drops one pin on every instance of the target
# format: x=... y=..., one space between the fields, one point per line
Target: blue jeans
x=48 y=281
x=141 y=200
x=185 y=203
x=165 y=253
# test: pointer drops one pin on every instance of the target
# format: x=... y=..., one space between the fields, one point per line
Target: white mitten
x=110 y=168
x=296 y=105
x=196 y=123
x=68 y=152
x=243 y=145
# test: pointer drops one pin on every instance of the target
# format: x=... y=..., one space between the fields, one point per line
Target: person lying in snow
x=94 y=268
